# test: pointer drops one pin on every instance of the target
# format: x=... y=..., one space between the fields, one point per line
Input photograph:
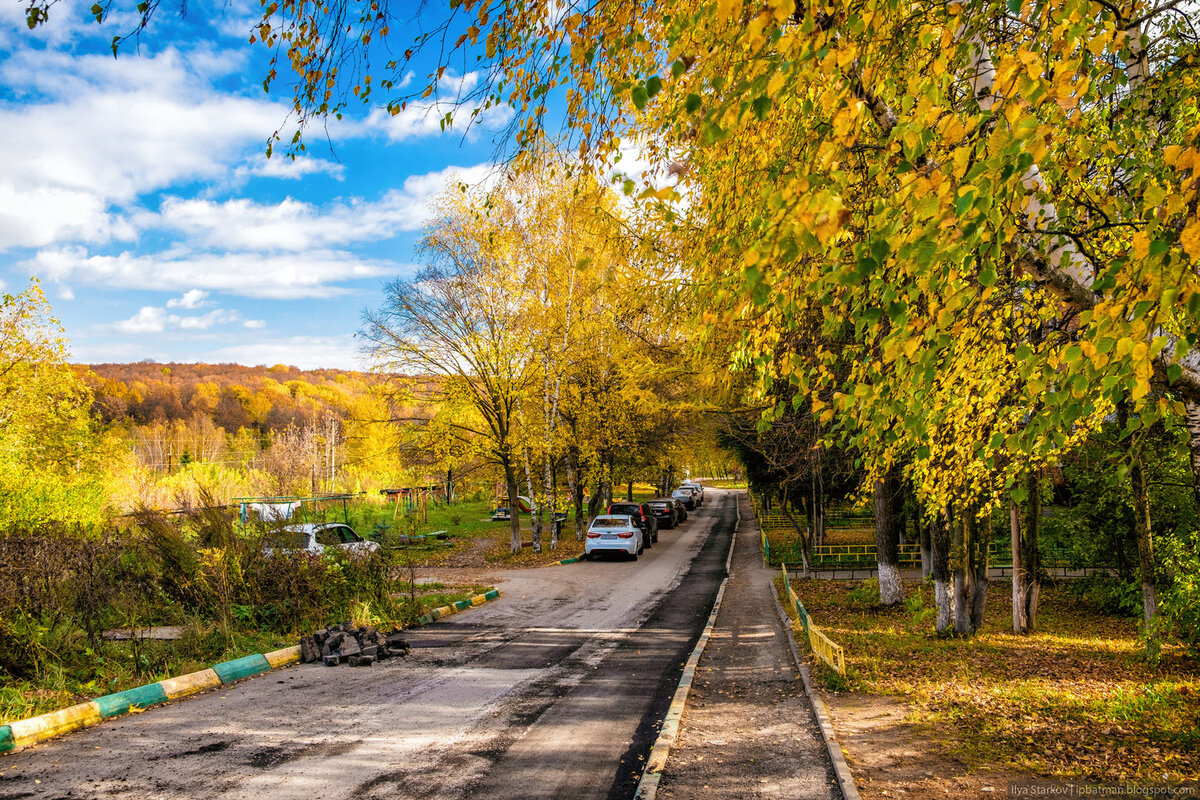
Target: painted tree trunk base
x=943 y=601
x=891 y=585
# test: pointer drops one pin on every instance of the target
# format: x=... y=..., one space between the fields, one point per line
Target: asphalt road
x=554 y=691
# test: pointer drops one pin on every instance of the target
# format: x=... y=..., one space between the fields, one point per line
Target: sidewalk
x=748 y=729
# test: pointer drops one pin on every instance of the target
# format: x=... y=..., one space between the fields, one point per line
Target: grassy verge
x=1075 y=700
x=116 y=666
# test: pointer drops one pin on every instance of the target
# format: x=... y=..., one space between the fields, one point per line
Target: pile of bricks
x=346 y=644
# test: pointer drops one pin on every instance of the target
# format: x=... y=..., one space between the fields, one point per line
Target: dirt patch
x=890 y=757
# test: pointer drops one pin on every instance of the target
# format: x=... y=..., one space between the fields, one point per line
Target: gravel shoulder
x=748 y=729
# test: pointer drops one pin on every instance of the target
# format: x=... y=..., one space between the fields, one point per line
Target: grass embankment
x=1078 y=699
x=119 y=665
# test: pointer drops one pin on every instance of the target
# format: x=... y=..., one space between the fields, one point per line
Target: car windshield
x=609 y=522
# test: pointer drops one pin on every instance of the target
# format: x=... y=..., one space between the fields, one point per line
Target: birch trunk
x=960 y=543
x=535 y=512
x=1192 y=423
x=940 y=535
x=1020 y=624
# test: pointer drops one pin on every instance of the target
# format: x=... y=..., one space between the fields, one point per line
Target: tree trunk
x=1031 y=557
x=1020 y=623
x=960 y=544
x=982 y=539
x=924 y=530
x=939 y=534
x=535 y=511
x=805 y=543
x=1145 y=544
x=819 y=501
x=1191 y=421
x=514 y=516
x=887 y=539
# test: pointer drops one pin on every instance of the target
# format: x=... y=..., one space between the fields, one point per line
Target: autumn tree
x=47 y=444
x=459 y=320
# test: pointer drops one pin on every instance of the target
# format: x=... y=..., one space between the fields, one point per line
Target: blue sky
x=137 y=190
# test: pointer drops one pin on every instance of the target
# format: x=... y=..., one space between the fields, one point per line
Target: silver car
x=315 y=537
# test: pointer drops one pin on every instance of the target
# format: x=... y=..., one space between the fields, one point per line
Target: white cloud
x=193 y=298
x=284 y=168
x=278 y=277
x=96 y=132
x=147 y=320
x=254 y=324
x=150 y=319
x=306 y=352
x=296 y=226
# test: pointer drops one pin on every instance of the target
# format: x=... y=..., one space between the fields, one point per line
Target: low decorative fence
x=824 y=647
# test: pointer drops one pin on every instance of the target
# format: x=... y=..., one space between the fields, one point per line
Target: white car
x=613 y=533
x=314 y=537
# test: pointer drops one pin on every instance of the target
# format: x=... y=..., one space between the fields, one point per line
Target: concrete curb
x=661 y=749
x=18 y=735
x=25 y=732
x=461 y=605
x=840 y=768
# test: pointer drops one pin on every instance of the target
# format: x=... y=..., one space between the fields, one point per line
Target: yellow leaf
x=1190 y=239
x=1141 y=245
x=1140 y=389
x=725 y=8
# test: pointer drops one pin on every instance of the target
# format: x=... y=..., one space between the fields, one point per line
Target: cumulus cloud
x=94 y=134
x=276 y=277
x=296 y=226
x=150 y=319
x=193 y=298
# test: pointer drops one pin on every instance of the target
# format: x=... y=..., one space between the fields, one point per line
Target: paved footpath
x=748 y=729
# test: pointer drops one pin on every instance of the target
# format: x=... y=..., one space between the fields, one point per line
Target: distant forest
x=233 y=396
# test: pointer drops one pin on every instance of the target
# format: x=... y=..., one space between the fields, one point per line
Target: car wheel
x=633 y=556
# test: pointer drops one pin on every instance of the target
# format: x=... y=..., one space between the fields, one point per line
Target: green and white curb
x=571 y=560
x=21 y=734
x=661 y=749
x=461 y=605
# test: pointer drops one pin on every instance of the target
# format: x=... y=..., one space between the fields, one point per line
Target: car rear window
x=626 y=509
x=609 y=523
x=659 y=506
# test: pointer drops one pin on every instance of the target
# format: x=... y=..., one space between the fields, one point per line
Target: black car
x=681 y=512
x=665 y=511
x=641 y=514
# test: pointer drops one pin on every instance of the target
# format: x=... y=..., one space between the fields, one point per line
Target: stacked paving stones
x=346 y=644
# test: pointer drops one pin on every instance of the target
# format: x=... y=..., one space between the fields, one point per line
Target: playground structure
x=502 y=508
x=415 y=499
x=294 y=509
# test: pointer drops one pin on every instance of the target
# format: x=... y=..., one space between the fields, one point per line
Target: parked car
x=314 y=537
x=664 y=510
x=642 y=515
x=685 y=496
x=695 y=487
x=613 y=533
